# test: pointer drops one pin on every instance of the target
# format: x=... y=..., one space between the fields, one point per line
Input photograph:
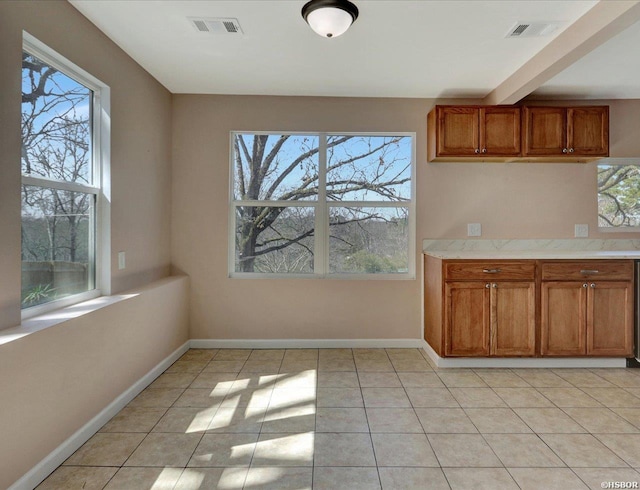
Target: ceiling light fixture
x=330 y=18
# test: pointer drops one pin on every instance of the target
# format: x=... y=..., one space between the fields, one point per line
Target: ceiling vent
x=533 y=29
x=216 y=25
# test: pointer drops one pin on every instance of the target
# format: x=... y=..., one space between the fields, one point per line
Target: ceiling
x=396 y=48
x=611 y=71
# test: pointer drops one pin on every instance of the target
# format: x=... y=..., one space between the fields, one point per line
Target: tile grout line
x=404 y=388
x=538 y=434
x=480 y=433
x=315 y=420
x=366 y=416
x=588 y=431
x=438 y=373
x=216 y=412
x=255 y=448
x=150 y=431
x=205 y=431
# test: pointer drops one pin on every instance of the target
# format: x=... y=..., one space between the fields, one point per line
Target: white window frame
x=621 y=162
x=321 y=208
x=100 y=255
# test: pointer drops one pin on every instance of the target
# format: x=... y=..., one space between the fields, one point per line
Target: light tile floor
x=363 y=419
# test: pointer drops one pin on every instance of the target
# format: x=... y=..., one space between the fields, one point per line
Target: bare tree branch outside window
x=281 y=193
x=56 y=148
x=618 y=196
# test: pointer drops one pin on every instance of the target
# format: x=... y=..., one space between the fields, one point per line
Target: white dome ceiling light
x=330 y=18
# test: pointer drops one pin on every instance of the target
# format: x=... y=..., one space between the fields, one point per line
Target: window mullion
x=59 y=185
x=321 y=258
x=369 y=204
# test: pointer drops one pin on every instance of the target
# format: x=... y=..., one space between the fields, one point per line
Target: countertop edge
x=534 y=255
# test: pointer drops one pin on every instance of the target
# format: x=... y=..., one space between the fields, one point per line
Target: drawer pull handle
x=589 y=271
x=491 y=271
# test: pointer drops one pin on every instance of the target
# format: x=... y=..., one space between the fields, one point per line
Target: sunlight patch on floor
x=167 y=479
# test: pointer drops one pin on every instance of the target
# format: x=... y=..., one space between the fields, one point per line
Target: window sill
x=52 y=318
x=330 y=277
x=619 y=229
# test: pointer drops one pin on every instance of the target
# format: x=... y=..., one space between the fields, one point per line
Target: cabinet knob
x=494 y=285
x=484 y=150
x=487 y=285
x=477 y=150
x=593 y=285
x=564 y=150
x=584 y=285
x=570 y=150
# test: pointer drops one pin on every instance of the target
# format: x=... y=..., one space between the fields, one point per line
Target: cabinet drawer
x=489 y=271
x=618 y=270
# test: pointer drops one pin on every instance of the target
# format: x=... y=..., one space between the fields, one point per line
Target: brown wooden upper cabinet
x=565 y=131
x=473 y=132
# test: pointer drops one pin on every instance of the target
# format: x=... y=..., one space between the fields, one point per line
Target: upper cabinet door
x=458 y=133
x=545 y=131
x=500 y=131
x=588 y=130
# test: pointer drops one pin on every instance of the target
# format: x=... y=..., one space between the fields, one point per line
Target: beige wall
x=510 y=201
x=140 y=145
x=56 y=380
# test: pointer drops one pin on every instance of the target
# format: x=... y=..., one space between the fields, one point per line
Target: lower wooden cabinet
x=500 y=308
x=513 y=326
x=564 y=319
x=493 y=318
x=467 y=319
x=610 y=319
x=587 y=318
x=480 y=307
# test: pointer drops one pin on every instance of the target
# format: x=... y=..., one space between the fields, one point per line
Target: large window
x=318 y=204
x=619 y=195
x=62 y=179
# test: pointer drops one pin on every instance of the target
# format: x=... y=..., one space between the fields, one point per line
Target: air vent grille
x=201 y=25
x=216 y=25
x=519 y=30
x=230 y=26
x=533 y=29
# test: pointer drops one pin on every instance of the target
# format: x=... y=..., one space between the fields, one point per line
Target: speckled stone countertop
x=578 y=248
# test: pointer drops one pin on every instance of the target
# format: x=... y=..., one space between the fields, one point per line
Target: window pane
x=57 y=244
x=275 y=167
x=369 y=240
x=56 y=124
x=618 y=195
x=274 y=239
x=369 y=168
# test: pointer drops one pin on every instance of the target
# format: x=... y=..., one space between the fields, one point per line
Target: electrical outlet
x=122 y=261
x=581 y=231
x=474 y=229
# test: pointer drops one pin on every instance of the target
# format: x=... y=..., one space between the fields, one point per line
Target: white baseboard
x=523 y=362
x=305 y=343
x=39 y=472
